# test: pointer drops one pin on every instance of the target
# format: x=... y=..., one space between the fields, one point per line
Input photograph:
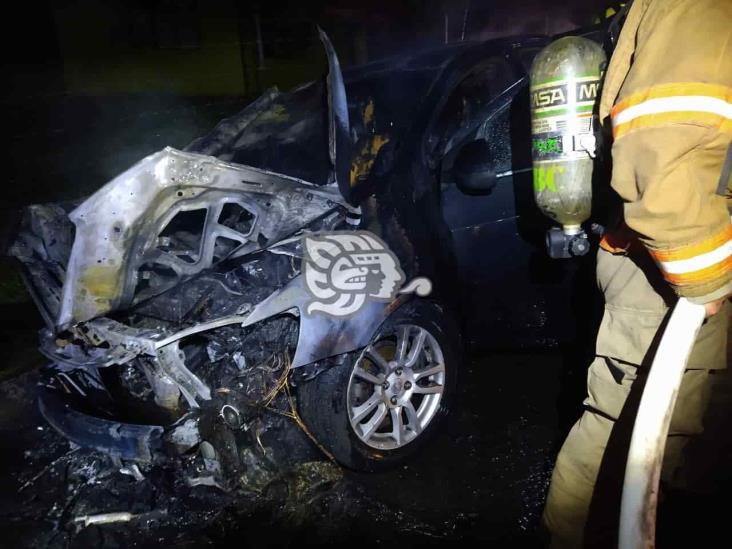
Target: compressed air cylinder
x=565 y=78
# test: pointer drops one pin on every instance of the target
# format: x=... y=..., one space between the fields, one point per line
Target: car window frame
x=458 y=79
x=494 y=107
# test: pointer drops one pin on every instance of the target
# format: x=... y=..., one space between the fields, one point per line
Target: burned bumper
x=124 y=441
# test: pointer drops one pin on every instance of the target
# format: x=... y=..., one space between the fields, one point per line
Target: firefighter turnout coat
x=668 y=97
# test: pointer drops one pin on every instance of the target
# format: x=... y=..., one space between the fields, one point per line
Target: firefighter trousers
x=583 y=502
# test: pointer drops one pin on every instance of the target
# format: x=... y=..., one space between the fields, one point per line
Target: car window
x=526 y=56
x=466 y=106
x=496 y=131
x=506 y=130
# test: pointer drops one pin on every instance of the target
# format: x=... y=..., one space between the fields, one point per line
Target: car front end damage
x=176 y=308
x=180 y=298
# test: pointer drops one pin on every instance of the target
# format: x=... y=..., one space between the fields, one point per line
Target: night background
x=97 y=85
x=92 y=87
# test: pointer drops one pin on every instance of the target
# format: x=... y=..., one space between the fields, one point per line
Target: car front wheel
x=382 y=404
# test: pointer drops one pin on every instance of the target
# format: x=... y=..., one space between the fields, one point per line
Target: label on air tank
x=561 y=111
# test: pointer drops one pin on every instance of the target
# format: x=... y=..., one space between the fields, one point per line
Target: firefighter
x=667 y=95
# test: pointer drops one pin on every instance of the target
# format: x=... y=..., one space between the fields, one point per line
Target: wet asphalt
x=482 y=479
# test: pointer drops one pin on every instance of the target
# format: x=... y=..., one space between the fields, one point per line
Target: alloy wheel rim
x=396 y=387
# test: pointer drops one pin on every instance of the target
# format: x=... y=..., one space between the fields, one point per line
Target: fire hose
x=645 y=455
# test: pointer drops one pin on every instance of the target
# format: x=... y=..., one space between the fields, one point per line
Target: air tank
x=564 y=79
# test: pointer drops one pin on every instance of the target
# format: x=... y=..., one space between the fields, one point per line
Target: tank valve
x=561 y=245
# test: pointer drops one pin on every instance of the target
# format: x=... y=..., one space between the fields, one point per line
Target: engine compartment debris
x=50 y=483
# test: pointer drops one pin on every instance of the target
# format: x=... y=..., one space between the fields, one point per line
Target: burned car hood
x=178 y=213
x=172 y=215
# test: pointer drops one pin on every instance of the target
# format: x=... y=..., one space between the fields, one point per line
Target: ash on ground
x=483 y=478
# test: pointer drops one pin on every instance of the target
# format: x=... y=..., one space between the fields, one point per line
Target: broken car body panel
x=339 y=145
x=120 y=238
x=120 y=440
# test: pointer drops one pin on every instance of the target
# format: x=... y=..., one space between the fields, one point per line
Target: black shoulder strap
x=724 y=177
x=616 y=24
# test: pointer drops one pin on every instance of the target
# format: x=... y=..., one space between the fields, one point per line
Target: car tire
x=331 y=404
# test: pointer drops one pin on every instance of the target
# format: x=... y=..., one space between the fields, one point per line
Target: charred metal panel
x=319 y=337
x=122 y=440
x=119 y=255
x=171 y=362
x=339 y=138
x=325 y=336
x=43 y=246
x=67 y=354
x=219 y=140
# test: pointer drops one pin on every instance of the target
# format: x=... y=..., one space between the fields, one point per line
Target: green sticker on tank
x=544 y=177
x=547 y=146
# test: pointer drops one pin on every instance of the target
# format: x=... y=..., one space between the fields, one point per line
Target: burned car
x=179 y=311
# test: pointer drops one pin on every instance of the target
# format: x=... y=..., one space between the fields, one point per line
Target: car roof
x=287 y=134
x=436 y=59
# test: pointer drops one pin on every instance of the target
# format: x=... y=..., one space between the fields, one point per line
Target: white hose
x=643 y=470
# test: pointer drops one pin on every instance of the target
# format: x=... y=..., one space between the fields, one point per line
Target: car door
x=514 y=294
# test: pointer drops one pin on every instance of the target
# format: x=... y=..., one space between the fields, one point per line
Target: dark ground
x=484 y=478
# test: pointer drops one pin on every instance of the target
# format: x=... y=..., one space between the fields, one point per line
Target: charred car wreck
x=175 y=301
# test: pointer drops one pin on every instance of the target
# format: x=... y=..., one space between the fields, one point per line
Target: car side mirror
x=473 y=169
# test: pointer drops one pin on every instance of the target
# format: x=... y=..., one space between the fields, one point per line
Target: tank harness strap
x=723 y=187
